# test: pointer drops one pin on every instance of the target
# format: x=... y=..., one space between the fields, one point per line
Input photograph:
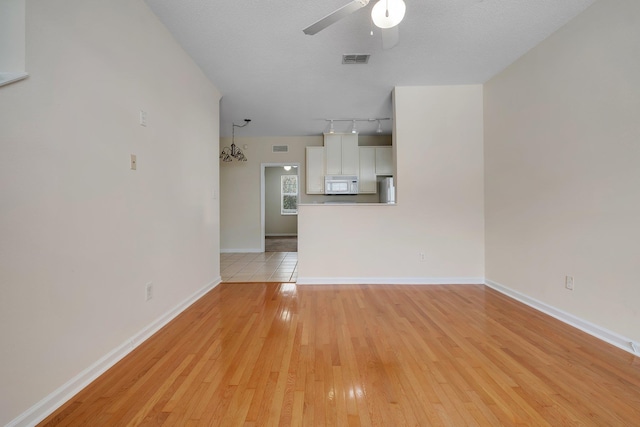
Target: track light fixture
x=354 y=128
x=233 y=152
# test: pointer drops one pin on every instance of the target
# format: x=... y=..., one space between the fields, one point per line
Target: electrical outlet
x=568 y=282
x=148 y=291
x=422 y=257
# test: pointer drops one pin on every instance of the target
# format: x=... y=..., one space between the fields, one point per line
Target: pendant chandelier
x=233 y=152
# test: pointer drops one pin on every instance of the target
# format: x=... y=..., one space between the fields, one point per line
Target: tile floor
x=259 y=267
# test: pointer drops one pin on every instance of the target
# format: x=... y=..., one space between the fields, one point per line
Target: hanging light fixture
x=353 y=127
x=287 y=168
x=331 y=129
x=233 y=152
x=379 y=130
x=388 y=13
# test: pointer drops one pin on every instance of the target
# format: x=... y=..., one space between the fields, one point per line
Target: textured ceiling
x=268 y=70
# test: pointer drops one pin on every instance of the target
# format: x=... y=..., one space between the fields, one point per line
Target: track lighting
x=354 y=127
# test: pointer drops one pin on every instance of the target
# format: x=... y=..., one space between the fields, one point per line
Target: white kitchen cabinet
x=333 y=154
x=384 y=161
x=367 y=183
x=350 y=154
x=342 y=154
x=315 y=170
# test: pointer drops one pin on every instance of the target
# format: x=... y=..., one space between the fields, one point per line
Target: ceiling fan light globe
x=396 y=9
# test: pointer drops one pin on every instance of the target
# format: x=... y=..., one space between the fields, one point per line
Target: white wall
x=81 y=234
x=562 y=137
x=240 y=186
x=274 y=222
x=439 y=157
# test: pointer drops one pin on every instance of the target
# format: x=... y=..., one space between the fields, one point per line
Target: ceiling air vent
x=279 y=148
x=355 y=59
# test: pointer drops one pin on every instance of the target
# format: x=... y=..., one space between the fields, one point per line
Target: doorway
x=279 y=198
x=281 y=243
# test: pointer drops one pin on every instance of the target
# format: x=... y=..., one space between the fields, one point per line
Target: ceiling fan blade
x=334 y=17
x=390 y=37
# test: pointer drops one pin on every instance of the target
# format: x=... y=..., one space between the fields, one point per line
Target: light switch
x=134 y=162
x=143 y=118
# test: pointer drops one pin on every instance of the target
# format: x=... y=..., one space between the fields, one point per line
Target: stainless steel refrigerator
x=387 y=190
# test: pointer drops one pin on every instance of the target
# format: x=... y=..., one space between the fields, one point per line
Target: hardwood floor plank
x=151 y=402
x=267 y=354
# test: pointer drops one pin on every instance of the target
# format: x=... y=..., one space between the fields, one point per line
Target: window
x=289 y=194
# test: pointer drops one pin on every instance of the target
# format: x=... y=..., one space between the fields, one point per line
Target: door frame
x=263 y=167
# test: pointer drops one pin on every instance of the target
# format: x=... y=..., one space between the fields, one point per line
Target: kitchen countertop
x=345 y=204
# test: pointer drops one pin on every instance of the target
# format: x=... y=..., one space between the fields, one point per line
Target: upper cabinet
x=342 y=156
x=384 y=161
x=374 y=161
x=367 y=183
x=315 y=170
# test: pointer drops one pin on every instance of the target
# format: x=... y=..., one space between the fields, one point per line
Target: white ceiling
x=268 y=70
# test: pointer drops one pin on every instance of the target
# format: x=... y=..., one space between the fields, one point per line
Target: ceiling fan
x=386 y=15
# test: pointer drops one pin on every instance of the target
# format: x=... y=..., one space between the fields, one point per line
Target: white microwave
x=340 y=184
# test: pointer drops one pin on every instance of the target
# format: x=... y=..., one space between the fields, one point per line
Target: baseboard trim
x=390 y=281
x=594 y=330
x=240 y=251
x=281 y=235
x=59 y=397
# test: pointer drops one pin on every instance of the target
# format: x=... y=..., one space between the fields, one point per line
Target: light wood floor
x=261 y=354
